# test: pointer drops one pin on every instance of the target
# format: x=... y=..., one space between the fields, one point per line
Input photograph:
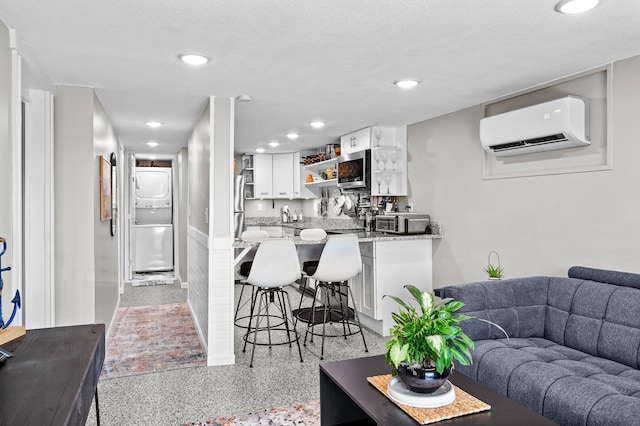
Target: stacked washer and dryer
x=153 y=220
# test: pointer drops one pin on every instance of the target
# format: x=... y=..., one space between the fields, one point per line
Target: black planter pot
x=422 y=380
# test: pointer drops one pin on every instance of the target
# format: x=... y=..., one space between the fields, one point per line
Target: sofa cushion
x=619 y=339
x=625 y=279
x=561 y=383
x=596 y=318
x=518 y=305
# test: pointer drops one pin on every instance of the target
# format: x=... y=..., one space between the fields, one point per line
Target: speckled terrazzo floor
x=200 y=393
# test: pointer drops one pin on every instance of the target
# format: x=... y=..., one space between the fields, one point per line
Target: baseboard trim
x=203 y=341
x=183 y=284
x=113 y=320
x=213 y=361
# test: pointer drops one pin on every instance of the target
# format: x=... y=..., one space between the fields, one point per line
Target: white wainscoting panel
x=221 y=306
x=198 y=265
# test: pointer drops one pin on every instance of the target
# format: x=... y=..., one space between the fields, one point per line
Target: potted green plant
x=494 y=272
x=424 y=344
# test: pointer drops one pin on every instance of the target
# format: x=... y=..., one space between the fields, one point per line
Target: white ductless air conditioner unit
x=558 y=124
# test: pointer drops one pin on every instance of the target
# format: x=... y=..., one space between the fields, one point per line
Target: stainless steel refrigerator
x=238 y=205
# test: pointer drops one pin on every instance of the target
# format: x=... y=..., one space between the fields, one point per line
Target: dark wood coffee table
x=346 y=397
x=53 y=376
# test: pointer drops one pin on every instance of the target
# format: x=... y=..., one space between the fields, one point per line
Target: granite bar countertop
x=308 y=222
x=347 y=226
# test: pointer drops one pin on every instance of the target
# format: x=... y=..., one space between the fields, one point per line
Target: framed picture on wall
x=105 y=189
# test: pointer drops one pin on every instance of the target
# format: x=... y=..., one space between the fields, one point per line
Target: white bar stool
x=275 y=265
x=340 y=261
x=250 y=236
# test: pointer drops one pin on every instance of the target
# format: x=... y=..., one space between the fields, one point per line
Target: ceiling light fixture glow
x=406 y=84
x=153 y=124
x=152 y=144
x=576 y=6
x=292 y=135
x=193 y=58
x=260 y=150
x=273 y=144
x=317 y=124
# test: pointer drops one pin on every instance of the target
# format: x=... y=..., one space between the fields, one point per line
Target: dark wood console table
x=346 y=398
x=53 y=376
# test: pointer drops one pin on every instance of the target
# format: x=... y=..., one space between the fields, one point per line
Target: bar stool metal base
x=282 y=332
x=334 y=309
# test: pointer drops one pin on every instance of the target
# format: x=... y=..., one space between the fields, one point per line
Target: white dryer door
x=154 y=248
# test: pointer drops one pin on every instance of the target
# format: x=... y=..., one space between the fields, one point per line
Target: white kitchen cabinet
x=263 y=176
x=279 y=176
x=356 y=141
x=300 y=190
x=367 y=138
x=363 y=286
x=283 y=173
x=368 y=294
x=387 y=266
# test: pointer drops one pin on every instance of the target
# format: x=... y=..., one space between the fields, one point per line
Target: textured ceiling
x=302 y=60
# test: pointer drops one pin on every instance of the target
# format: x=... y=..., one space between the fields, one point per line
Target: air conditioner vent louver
x=562 y=123
x=535 y=141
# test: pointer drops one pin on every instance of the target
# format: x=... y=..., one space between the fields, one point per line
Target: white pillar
x=221 y=306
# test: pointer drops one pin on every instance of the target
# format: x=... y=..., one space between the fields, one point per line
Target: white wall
x=86 y=255
x=210 y=255
x=198 y=149
x=75 y=208
x=183 y=206
x=221 y=284
x=6 y=171
x=540 y=225
x=106 y=246
x=198 y=229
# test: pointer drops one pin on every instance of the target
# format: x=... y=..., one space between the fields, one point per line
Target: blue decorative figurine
x=16 y=298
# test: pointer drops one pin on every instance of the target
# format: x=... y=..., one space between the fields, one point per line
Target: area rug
x=147 y=339
x=307 y=414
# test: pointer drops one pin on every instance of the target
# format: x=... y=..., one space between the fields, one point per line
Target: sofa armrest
x=518 y=305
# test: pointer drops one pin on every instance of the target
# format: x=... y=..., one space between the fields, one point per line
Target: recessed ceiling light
x=317 y=124
x=244 y=98
x=406 y=84
x=273 y=144
x=153 y=124
x=261 y=150
x=152 y=144
x=193 y=58
x=576 y=6
x=292 y=135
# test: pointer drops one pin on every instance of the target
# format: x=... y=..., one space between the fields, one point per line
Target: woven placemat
x=464 y=404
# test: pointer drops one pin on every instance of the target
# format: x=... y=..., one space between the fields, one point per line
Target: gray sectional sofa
x=574 y=350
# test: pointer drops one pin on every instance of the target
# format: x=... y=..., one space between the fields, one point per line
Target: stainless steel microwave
x=404 y=223
x=354 y=170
